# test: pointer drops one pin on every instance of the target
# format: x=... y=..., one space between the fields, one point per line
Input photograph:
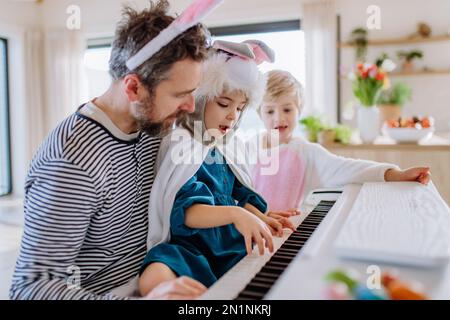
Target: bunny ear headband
x=190 y=17
x=233 y=66
x=248 y=50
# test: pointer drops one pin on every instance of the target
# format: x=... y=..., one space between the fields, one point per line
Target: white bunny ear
x=190 y=16
x=242 y=50
x=262 y=51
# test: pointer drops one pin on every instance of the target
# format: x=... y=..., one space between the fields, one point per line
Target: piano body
x=297 y=268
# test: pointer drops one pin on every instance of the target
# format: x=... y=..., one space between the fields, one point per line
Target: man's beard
x=144 y=112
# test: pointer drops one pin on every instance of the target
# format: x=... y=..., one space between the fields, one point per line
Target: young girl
x=302 y=166
x=204 y=214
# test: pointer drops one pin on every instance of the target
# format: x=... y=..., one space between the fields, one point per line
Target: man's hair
x=280 y=83
x=136 y=29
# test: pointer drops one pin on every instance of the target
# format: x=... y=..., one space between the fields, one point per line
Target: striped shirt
x=86 y=210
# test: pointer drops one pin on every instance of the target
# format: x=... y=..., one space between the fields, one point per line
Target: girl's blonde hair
x=280 y=83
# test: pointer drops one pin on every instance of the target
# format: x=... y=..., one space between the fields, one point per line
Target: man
x=88 y=186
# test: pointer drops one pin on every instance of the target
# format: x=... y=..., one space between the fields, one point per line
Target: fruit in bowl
x=409 y=130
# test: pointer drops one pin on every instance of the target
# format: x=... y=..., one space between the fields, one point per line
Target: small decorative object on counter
x=313 y=125
x=399 y=290
x=409 y=130
x=326 y=136
x=319 y=131
x=346 y=284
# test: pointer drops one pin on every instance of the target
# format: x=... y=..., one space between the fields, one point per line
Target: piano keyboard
x=263 y=281
x=257 y=272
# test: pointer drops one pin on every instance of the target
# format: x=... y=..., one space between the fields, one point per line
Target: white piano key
x=400 y=222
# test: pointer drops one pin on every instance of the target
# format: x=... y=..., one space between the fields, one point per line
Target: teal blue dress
x=205 y=254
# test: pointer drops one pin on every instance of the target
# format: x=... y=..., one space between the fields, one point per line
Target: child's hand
x=253 y=229
x=288 y=213
x=281 y=220
x=275 y=226
x=419 y=174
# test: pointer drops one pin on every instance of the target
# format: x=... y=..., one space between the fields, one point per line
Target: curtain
x=35 y=90
x=65 y=78
x=319 y=25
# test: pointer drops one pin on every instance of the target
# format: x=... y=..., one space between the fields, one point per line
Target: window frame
x=8 y=169
x=277 y=26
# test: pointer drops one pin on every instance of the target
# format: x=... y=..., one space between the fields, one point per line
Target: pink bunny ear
x=196 y=11
x=262 y=51
x=191 y=16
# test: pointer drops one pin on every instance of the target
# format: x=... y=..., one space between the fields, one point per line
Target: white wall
x=230 y=12
x=15 y=18
x=431 y=94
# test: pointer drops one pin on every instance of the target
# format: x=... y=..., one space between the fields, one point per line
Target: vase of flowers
x=368 y=81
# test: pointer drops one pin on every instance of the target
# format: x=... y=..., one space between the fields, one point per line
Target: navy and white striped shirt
x=86 y=212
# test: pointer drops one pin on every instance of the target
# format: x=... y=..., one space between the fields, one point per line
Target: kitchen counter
x=434 y=153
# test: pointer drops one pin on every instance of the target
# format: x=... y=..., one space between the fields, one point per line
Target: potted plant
x=359 y=39
x=391 y=101
x=367 y=83
x=343 y=134
x=324 y=134
x=407 y=57
x=313 y=125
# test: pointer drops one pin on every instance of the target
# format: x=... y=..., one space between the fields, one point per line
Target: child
x=203 y=200
x=304 y=166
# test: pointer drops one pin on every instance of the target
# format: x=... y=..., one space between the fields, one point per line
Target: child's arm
x=252 y=228
x=330 y=170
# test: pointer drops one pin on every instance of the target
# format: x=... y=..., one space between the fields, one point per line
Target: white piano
x=403 y=227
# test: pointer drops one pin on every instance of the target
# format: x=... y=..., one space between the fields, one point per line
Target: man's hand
x=182 y=288
x=418 y=174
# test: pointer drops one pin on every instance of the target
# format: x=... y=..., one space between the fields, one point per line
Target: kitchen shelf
x=400 y=41
x=415 y=73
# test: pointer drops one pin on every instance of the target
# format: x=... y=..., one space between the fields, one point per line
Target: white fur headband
x=235 y=69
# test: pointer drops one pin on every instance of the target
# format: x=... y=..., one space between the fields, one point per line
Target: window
x=5 y=158
x=96 y=67
x=285 y=38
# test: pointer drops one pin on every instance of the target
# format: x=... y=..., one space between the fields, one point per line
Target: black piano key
x=290 y=246
x=283 y=249
x=312 y=218
x=300 y=237
x=286 y=255
x=260 y=278
x=250 y=295
x=280 y=258
x=270 y=272
x=305 y=228
x=302 y=233
x=267 y=275
x=259 y=286
x=315 y=215
x=276 y=263
x=307 y=223
x=294 y=241
x=274 y=269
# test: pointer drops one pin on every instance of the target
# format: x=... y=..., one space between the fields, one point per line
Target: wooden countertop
x=438 y=142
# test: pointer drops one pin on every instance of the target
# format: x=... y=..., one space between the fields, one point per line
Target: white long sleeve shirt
x=292 y=170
